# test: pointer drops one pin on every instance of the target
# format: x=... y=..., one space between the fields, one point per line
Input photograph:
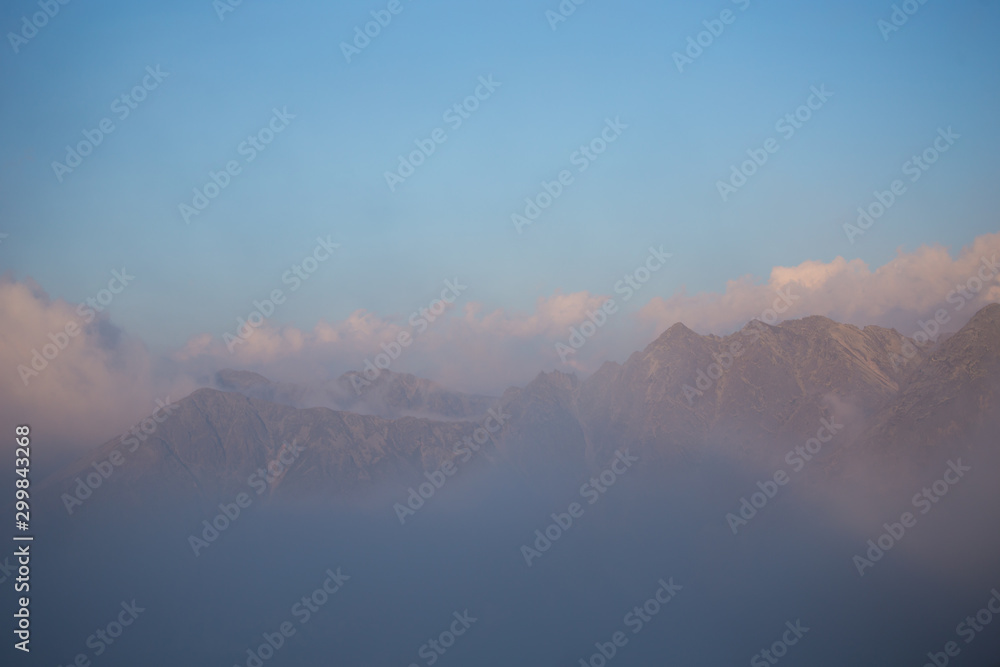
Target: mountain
x=520 y=545
x=215 y=444
x=953 y=396
x=754 y=393
x=759 y=389
x=390 y=395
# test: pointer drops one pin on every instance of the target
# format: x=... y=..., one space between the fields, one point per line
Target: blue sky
x=324 y=174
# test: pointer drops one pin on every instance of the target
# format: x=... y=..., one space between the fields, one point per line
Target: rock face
x=216 y=444
x=950 y=397
x=753 y=392
x=390 y=395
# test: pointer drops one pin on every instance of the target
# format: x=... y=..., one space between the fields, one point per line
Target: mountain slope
x=390 y=395
x=214 y=442
x=752 y=395
x=951 y=397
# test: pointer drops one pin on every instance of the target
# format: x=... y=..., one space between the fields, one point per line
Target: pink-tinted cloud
x=910 y=286
x=466 y=347
x=68 y=372
x=105 y=380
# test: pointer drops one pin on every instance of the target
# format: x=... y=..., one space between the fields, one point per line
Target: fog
x=730 y=597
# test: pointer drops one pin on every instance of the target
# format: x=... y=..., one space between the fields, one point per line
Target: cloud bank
x=102 y=379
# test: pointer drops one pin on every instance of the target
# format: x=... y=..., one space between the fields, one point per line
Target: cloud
x=68 y=372
x=466 y=347
x=105 y=380
x=909 y=287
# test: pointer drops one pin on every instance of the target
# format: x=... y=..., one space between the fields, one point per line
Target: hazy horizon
x=554 y=333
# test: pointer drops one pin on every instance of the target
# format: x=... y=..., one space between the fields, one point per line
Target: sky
x=225 y=73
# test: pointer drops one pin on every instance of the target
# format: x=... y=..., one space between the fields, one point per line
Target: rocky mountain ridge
x=755 y=392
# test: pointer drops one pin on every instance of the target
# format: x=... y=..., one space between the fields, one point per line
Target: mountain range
x=754 y=393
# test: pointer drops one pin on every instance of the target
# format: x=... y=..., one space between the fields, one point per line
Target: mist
x=472 y=549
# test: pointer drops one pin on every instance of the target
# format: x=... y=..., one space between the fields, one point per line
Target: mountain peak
x=677 y=332
x=229 y=378
x=678 y=329
x=979 y=335
x=556 y=378
x=813 y=321
x=988 y=316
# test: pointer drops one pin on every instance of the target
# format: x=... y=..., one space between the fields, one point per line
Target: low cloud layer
x=103 y=380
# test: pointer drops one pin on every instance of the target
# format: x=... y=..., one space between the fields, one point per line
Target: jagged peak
x=987 y=316
x=757 y=324
x=609 y=367
x=554 y=378
x=230 y=377
x=812 y=321
x=677 y=332
x=677 y=329
x=983 y=326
